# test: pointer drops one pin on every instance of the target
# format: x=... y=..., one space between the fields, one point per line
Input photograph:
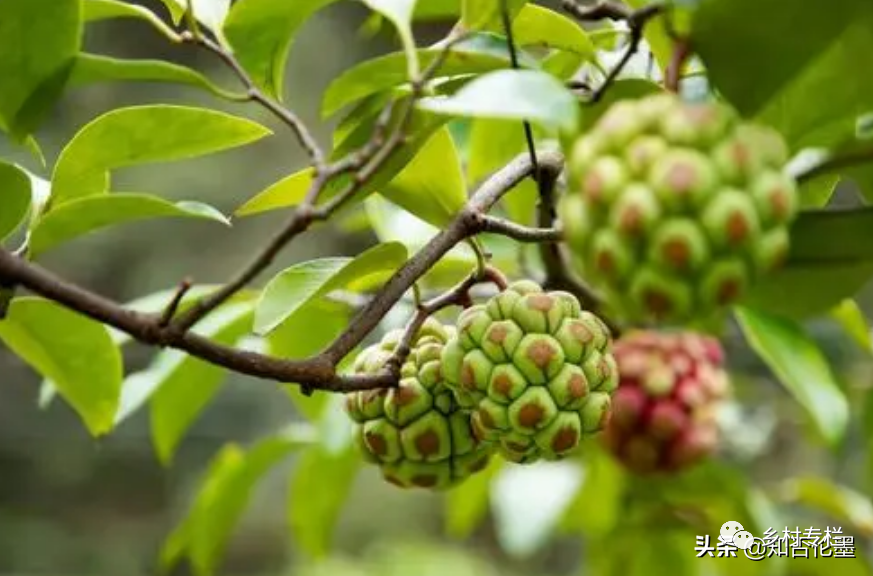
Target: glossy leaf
x=538 y=26
x=475 y=56
x=295 y=287
x=262 y=33
x=93 y=68
x=512 y=94
x=849 y=315
x=143 y=135
x=839 y=502
x=179 y=386
x=320 y=484
x=528 y=503
x=485 y=14
x=86 y=215
x=467 y=503
x=824 y=243
x=74 y=352
x=289 y=191
x=97 y=10
x=750 y=60
x=307 y=332
x=822 y=103
x=431 y=186
x=800 y=366
x=15 y=198
x=32 y=84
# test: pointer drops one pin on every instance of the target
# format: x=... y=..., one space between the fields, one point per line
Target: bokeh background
x=73 y=505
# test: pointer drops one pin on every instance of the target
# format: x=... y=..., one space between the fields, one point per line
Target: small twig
x=518 y=232
x=255 y=94
x=673 y=74
x=173 y=305
x=836 y=162
x=636 y=21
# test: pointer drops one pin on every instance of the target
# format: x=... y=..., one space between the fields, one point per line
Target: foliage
x=453 y=154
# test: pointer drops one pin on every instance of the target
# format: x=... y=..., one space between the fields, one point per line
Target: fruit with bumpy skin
x=676 y=209
x=535 y=368
x=664 y=411
x=417 y=433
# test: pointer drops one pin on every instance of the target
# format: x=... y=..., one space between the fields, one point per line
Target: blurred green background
x=73 y=505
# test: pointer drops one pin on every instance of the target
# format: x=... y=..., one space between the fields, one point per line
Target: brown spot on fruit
x=530 y=415
x=631 y=220
x=737 y=227
x=427 y=443
x=540 y=353
x=486 y=420
x=581 y=333
x=740 y=154
x=593 y=186
x=779 y=203
x=376 y=443
x=605 y=262
x=394 y=480
x=468 y=376
x=405 y=395
x=677 y=253
x=541 y=302
x=728 y=291
x=424 y=480
x=503 y=384
x=498 y=333
x=577 y=386
x=565 y=439
x=681 y=178
x=657 y=302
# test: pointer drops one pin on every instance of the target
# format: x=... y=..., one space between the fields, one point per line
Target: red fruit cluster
x=664 y=411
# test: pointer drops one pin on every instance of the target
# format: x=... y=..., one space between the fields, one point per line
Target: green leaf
x=91 y=213
x=93 y=68
x=800 y=366
x=97 y=10
x=296 y=287
x=180 y=386
x=210 y=13
x=467 y=503
x=74 y=352
x=821 y=105
x=222 y=496
x=830 y=244
x=289 y=191
x=517 y=94
x=528 y=503
x=656 y=35
x=839 y=502
x=431 y=186
x=597 y=506
x=38 y=52
x=262 y=33
x=15 y=198
x=319 y=487
x=304 y=334
x=475 y=56
x=485 y=14
x=850 y=316
x=539 y=26
x=142 y=135
x=750 y=59
x=399 y=13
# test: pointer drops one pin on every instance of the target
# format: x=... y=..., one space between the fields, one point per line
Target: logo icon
x=743 y=540
x=730 y=529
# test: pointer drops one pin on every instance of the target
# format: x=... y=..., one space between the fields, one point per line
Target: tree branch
x=515 y=231
x=317 y=372
x=612 y=10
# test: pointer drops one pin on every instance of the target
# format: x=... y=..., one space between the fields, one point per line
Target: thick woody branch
x=317 y=372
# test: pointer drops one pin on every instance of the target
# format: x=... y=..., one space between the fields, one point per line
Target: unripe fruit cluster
x=675 y=209
x=526 y=375
x=664 y=411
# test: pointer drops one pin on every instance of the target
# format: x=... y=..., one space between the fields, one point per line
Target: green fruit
x=537 y=370
x=676 y=209
x=417 y=433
